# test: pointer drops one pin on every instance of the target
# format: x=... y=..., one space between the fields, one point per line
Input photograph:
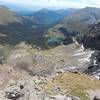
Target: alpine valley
x=50 y=54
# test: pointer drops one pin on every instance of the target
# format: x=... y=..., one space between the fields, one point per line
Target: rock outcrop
x=92 y=40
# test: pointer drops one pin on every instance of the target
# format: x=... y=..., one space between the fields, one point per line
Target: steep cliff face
x=92 y=38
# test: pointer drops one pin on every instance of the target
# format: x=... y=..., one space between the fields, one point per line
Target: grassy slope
x=74 y=84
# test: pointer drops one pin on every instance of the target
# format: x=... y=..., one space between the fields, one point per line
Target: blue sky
x=61 y=4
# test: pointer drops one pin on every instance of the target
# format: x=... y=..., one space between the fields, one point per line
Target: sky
x=53 y=4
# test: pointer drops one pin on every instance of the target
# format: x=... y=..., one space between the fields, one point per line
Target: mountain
x=75 y=23
x=47 y=18
x=80 y=20
x=15 y=28
x=58 y=25
x=7 y=16
x=30 y=28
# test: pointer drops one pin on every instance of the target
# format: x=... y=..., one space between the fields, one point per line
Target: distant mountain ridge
x=47 y=18
x=80 y=20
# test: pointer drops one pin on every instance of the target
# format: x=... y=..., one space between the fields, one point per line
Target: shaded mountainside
x=91 y=39
x=47 y=18
x=15 y=33
x=14 y=29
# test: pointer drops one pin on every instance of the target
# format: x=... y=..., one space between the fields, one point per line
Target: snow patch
x=86 y=59
x=71 y=68
x=78 y=54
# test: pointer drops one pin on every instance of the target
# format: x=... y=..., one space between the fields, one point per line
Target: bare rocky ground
x=54 y=74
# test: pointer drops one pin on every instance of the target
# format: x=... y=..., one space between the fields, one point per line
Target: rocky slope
x=54 y=74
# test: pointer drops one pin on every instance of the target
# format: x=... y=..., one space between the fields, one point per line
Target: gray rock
x=94 y=95
x=97 y=97
x=14 y=95
x=21 y=90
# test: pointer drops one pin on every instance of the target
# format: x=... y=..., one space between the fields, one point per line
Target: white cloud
x=55 y=3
